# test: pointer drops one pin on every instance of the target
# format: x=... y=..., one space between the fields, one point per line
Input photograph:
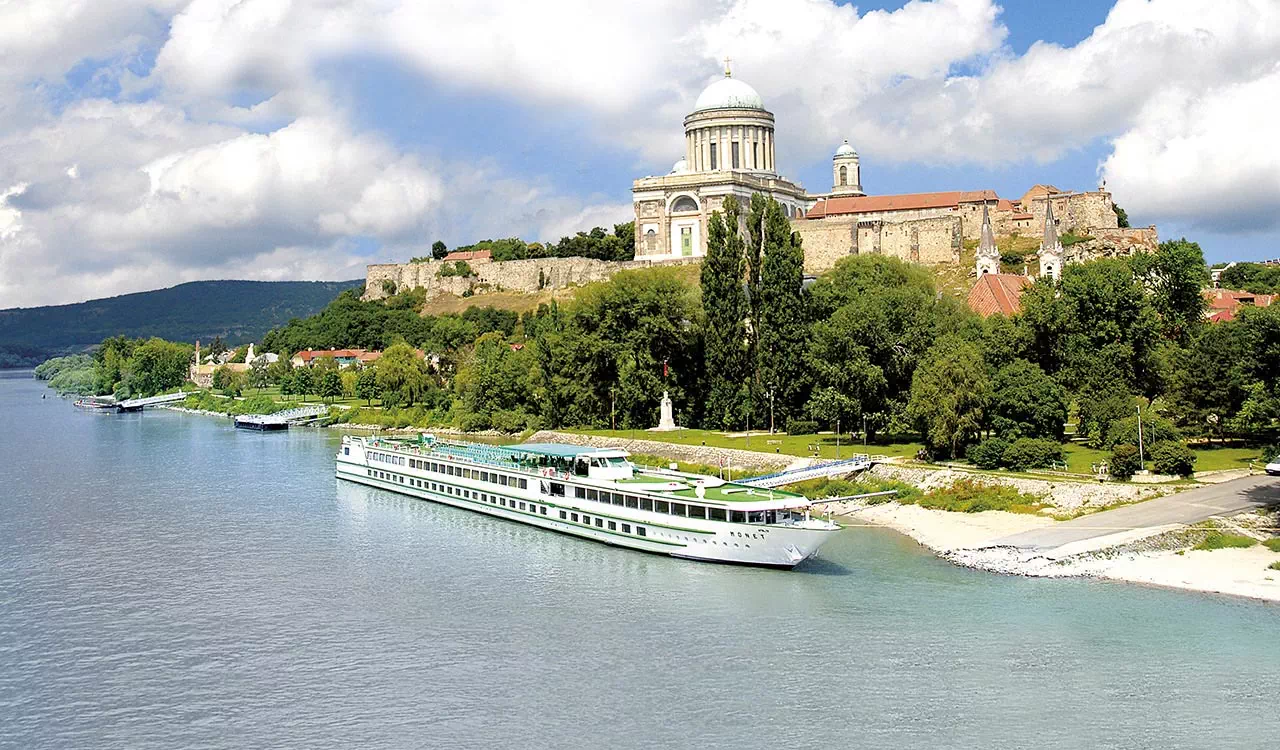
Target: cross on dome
x=727 y=72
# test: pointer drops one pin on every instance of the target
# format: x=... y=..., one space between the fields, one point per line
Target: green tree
x=1026 y=402
x=156 y=365
x=280 y=369
x=1173 y=457
x=1208 y=384
x=1122 y=218
x=401 y=375
x=949 y=392
x=494 y=388
x=1175 y=274
x=304 y=382
x=782 y=316
x=288 y=385
x=367 y=386
x=439 y=250
x=259 y=378
x=1124 y=461
x=330 y=385
x=724 y=304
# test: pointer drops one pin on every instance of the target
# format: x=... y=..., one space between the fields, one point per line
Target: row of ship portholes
x=700 y=540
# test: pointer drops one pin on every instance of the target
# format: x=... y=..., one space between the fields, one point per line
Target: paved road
x=1225 y=499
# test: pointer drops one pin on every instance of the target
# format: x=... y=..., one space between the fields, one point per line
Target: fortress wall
x=1083 y=212
x=826 y=241
x=528 y=276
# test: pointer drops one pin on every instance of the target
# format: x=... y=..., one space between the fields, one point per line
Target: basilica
x=729 y=150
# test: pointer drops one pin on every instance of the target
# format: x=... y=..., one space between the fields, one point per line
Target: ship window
x=524 y=484
x=574 y=516
x=502 y=479
x=755 y=516
x=697 y=511
x=626 y=528
x=521 y=506
x=346 y=451
x=557 y=489
x=613 y=526
x=646 y=504
x=617 y=499
x=633 y=501
x=716 y=514
x=586 y=519
x=599 y=523
x=640 y=531
x=738 y=516
x=543 y=510
x=579 y=492
x=562 y=515
x=484 y=476
x=593 y=495
x=661 y=506
x=466 y=473
x=677 y=509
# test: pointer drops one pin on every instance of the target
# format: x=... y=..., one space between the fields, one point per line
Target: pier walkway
x=858 y=462
x=136 y=404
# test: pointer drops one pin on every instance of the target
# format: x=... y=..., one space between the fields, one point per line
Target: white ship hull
x=774 y=545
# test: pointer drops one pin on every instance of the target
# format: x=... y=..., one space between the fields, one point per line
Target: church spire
x=1050 y=246
x=988 y=253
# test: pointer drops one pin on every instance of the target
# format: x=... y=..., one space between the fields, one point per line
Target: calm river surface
x=169 y=582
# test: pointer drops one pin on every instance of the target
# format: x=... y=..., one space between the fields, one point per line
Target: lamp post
x=770 y=411
x=613 y=408
x=1141 y=464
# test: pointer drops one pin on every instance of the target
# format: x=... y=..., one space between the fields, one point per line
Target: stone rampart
x=928 y=240
x=532 y=275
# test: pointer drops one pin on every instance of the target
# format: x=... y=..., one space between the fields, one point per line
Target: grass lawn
x=274 y=392
x=1214 y=458
x=790 y=445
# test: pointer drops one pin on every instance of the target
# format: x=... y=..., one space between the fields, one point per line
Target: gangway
x=858 y=462
x=281 y=419
x=136 y=404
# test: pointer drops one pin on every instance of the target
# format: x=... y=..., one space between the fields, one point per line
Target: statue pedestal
x=666 y=422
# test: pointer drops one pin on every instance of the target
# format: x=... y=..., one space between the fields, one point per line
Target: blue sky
x=148 y=142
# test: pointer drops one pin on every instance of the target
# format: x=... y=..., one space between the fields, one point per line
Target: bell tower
x=846 y=177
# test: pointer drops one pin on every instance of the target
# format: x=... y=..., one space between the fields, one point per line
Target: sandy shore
x=965 y=538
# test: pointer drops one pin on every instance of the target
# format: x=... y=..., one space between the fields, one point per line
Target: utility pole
x=613 y=408
x=770 y=410
x=837 y=437
x=1141 y=464
x=864 y=430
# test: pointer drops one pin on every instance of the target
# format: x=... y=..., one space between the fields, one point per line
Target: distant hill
x=238 y=311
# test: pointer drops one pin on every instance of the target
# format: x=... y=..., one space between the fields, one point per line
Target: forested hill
x=238 y=311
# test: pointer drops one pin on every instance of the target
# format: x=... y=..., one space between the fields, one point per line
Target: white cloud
x=230 y=157
x=1204 y=159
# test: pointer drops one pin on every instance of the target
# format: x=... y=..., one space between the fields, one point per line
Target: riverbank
x=1158 y=556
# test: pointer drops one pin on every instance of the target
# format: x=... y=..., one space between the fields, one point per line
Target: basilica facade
x=729 y=150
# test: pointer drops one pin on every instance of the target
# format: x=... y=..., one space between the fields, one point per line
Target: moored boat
x=598 y=494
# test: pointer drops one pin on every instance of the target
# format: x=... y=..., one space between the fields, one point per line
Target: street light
x=613 y=408
x=770 y=410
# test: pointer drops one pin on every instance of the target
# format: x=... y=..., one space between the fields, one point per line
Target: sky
x=144 y=143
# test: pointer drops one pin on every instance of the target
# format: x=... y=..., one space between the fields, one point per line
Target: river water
x=169 y=582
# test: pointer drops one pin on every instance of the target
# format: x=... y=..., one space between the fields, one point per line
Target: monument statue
x=666 y=422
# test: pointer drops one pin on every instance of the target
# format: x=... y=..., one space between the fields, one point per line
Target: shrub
x=388 y=287
x=1172 y=457
x=1225 y=540
x=1029 y=453
x=457 y=268
x=1274 y=566
x=1154 y=430
x=967 y=496
x=1273 y=544
x=801 y=427
x=1124 y=461
x=989 y=454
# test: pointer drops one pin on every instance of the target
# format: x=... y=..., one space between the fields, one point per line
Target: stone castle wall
x=928 y=240
x=528 y=276
x=1083 y=213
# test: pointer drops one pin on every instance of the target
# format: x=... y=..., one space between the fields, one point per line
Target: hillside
x=238 y=311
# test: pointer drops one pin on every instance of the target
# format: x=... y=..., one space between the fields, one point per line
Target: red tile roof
x=1223 y=303
x=998 y=293
x=907 y=202
x=469 y=255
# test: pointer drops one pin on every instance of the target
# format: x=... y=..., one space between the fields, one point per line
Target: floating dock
x=281 y=420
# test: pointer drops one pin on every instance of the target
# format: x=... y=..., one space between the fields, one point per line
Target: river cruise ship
x=597 y=494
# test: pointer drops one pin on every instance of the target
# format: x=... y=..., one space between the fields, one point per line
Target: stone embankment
x=1065 y=495
x=699 y=454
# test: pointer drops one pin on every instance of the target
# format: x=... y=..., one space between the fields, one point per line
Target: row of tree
x=599 y=243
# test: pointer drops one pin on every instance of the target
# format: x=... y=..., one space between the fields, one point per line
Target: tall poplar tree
x=780 y=317
x=725 y=304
